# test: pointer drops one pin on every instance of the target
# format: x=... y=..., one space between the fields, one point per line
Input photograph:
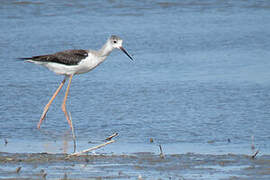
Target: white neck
x=106 y=49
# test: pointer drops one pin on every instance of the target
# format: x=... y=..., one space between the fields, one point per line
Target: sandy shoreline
x=138 y=165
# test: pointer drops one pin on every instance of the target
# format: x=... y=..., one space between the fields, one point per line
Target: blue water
x=200 y=75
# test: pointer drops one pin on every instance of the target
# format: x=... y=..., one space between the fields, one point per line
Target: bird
x=73 y=62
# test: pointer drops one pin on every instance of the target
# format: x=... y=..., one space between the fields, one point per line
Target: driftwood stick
x=73 y=134
x=255 y=154
x=111 y=136
x=91 y=149
x=162 y=156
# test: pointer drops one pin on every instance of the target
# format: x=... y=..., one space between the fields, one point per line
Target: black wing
x=68 y=57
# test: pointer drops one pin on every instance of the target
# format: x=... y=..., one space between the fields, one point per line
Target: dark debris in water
x=135 y=165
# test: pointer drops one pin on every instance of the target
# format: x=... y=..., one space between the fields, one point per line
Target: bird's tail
x=25 y=58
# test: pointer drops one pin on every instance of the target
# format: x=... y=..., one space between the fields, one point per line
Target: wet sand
x=144 y=165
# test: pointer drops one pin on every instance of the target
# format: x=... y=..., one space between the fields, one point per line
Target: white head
x=116 y=42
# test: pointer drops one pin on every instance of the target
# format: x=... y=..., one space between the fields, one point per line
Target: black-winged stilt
x=72 y=62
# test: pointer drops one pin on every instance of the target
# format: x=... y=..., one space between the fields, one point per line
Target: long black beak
x=126 y=52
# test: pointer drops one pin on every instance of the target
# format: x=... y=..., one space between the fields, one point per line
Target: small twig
x=18 y=169
x=6 y=142
x=44 y=175
x=255 y=154
x=92 y=148
x=162 y=156
x=73 y=134
x=110 y=137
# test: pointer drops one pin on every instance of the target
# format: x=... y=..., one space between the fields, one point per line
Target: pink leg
x=46 y=108
x=64 y=102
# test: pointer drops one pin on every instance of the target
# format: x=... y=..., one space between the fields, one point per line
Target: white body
x=84 y=66
x=93 y=59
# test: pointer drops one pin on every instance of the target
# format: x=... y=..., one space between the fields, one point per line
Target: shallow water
x=199 y=83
